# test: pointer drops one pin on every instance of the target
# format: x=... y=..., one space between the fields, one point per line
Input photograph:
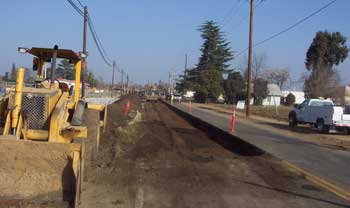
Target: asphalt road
x=327 y=163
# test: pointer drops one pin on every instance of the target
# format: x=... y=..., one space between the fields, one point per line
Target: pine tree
x=213 y=63
x=65 y=70
x=13 y=73
x=326 y=51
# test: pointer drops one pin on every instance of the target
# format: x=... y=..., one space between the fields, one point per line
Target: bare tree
x=258 y=66
x=277 y=76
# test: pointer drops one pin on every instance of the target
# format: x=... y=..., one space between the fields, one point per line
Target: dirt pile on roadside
x=103 y=166
x=34 y=174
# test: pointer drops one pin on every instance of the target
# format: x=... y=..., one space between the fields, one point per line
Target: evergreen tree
x=234 y=87
x=326 y=51
x=65 y=70
x=13 y=73
x=260 y=91
x=290 y=99
x=213 y=63
x=92 y=80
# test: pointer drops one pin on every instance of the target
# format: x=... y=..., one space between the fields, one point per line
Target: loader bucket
x=39 y=174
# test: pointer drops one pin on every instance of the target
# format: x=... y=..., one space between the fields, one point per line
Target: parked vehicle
x=177 y=97
x=322 y=114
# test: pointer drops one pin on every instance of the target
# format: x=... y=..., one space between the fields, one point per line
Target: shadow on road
x=226 y=140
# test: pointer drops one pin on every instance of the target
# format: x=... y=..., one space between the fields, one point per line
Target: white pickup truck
x=322 y=114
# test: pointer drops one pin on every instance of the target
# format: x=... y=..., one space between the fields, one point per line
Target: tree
x=13 y=73
x=277 y=76
x=65 y=70
x=258 y=65
x=92 y=80
x=326 y=51
x=290 y=99
x=260 y=91
x=234 y=87
x=213 y=63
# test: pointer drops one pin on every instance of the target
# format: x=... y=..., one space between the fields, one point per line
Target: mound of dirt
x=36 y=174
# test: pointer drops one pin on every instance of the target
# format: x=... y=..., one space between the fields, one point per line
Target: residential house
x=274 y=95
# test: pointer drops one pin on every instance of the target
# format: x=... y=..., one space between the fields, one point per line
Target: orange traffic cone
x=127 y=107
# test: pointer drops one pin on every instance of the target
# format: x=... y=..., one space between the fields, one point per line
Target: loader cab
x=46 y=111
x=45 y=77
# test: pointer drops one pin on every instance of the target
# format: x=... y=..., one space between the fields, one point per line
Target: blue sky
x=151 y=38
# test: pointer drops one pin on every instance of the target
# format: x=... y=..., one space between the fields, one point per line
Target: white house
x=299 y=95
x=274 y=95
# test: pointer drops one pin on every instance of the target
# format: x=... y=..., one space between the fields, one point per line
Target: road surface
x=329 y=163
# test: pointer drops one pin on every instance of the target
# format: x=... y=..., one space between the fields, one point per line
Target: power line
x=98 y=46
x=246 y=17
x=232 y=15
x=98 y=39
x=80 y=3
x=230 y=11
x=76 y=7
x=95 y=37
x=290 y=27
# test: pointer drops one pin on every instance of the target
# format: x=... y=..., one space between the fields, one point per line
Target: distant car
x=177 y=97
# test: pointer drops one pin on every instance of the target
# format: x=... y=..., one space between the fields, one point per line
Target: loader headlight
x=23 y=50
x=82 y=55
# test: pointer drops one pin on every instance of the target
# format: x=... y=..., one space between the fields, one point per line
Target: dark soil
x=162 y=161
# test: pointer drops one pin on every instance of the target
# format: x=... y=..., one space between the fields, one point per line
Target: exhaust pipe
x=53 y=64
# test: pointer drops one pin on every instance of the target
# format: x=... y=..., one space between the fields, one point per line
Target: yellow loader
x=42 y=145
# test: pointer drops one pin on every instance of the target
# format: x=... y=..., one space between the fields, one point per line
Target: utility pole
x=185 y=63
x=169 y=84
x=127 y=84
x=173 y=83
x=113 y=71
x=83 y=74
x=122 y=80
x=247 y=103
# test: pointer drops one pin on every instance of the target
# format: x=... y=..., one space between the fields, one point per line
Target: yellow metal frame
x=77 y=81
x=103 y=113
x=59 y=105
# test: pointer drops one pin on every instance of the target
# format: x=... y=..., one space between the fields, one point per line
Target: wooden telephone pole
x=83 y=66
x=113 y=74
x=247 y=103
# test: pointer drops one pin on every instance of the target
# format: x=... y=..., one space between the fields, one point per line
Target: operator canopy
x=47 y=53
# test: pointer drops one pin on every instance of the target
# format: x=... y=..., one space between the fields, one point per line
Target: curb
x=319 y=181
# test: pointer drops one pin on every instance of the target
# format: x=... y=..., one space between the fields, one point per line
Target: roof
x=274 y=90
x=46 y=53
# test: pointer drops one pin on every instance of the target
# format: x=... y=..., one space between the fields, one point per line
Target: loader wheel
x=321 y=127
x=292 y=120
